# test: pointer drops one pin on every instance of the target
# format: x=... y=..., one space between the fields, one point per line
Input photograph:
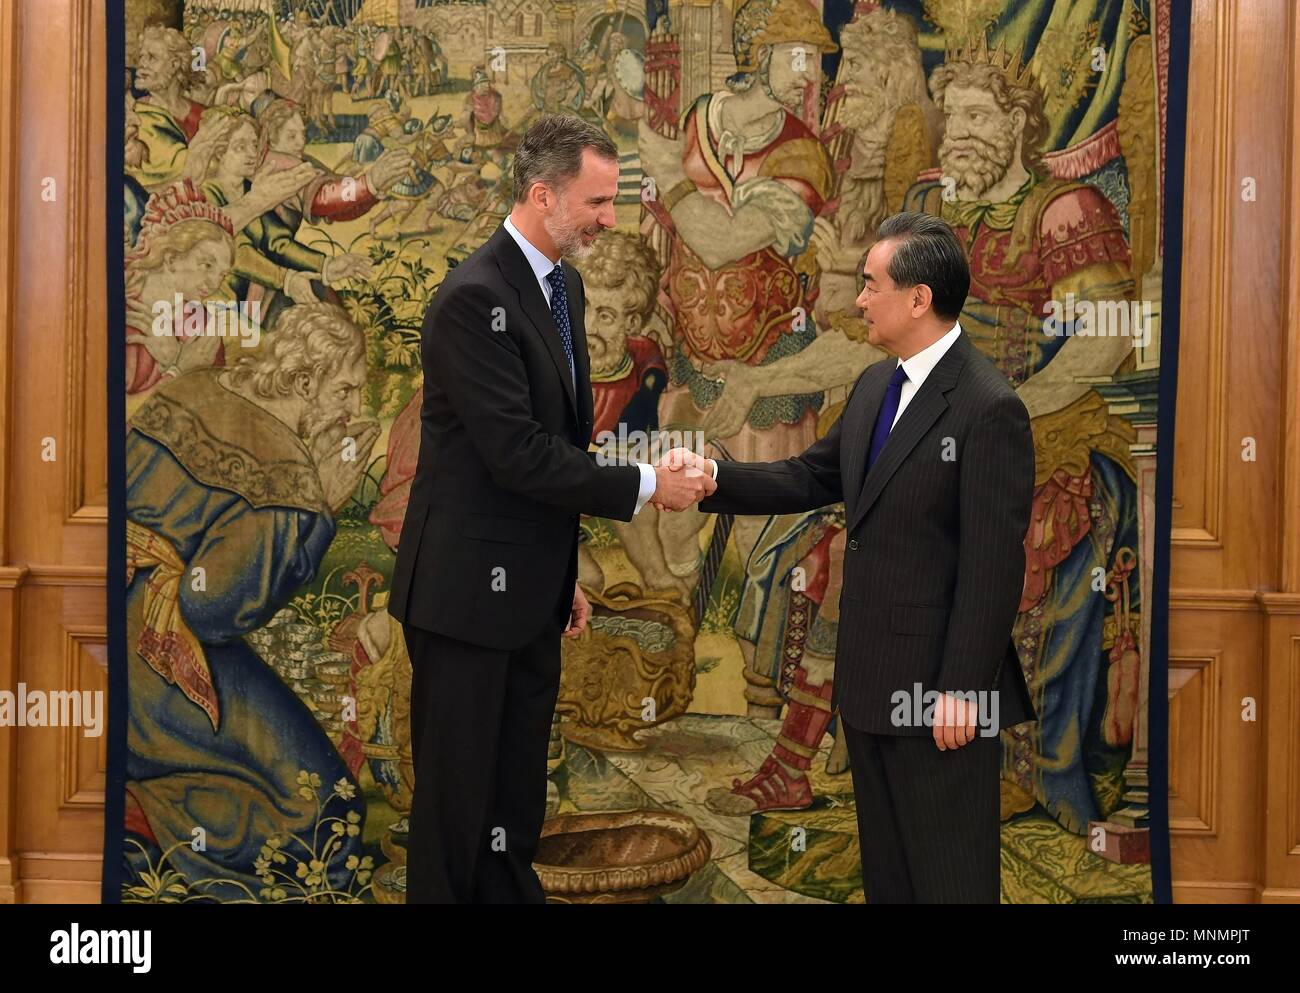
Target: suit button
x=853 y=544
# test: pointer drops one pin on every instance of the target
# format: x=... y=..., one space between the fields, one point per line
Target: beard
x=862 y=206
x=869 y=113
x=864 y=111
x=567 y=236
x=605 y=351
x=791 y=100
x=977 y=164
x=869 y=116
x=873 y=99
x=314 y=421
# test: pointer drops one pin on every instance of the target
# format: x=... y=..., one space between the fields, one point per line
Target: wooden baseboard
x=60 y=891
x=1276 y=894
x=1214 y=892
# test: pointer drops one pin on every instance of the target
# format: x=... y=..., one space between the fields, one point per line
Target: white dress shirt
x=542 y=267
x=918 y=367
x=537 y=260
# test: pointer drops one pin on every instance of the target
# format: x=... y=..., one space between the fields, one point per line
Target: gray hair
x=317 y=339
x=551 y=151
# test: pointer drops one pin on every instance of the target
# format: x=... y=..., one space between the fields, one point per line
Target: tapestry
x=298 y=177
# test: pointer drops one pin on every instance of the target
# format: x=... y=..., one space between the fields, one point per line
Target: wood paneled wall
x=53 y=395
x=1235 y=610
x=1234 y=626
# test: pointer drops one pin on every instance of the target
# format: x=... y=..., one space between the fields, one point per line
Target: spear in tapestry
x=281 y=51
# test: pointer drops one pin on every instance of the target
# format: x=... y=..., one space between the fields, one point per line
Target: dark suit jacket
x=934 y=565
x=489 y=543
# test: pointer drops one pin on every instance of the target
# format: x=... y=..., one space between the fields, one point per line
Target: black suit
x=933 y=572
x=486 y=567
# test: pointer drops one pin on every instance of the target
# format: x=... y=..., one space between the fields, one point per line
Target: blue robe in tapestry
x=232 y=490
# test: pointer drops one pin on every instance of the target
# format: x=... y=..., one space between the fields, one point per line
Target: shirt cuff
x=715 y=469
x=648 y=484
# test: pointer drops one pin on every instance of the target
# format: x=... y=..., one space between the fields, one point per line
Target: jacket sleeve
x=483 y=373
x=996 y=491
x=800 y=483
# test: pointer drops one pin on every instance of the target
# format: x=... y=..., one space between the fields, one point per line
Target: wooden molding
x=1277 y=894
x=12 y=576
x=1211 y=891
x=66 y=575
x=1194 y=538
x=1280 y=604
x=1213 y=599
x=62 y=877
x=78 y=198
x=1251 y=601
x=1205 y=528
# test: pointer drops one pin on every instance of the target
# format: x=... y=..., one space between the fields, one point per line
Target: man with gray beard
x=894 y=129
x=233 y=481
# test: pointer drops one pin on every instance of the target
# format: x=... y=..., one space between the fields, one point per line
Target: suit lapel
x=519 y=274
x=922 y=411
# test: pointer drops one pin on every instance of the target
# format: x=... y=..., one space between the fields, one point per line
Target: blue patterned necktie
x=560 y=311
x=888 y=411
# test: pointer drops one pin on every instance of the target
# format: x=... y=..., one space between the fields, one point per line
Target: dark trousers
x=928 y=820
x=480 y=722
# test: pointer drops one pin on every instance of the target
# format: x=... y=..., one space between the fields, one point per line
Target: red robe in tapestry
x=1018 y=250
x=395 y=488
x=610 y=397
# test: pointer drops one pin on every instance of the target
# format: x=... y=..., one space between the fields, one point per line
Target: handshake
x=682 y=479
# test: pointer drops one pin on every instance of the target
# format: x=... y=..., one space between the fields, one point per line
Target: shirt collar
x=923 y=362
x=537 y=260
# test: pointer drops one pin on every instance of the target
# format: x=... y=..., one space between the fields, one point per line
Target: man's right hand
x=679 y=458
x=680 y=487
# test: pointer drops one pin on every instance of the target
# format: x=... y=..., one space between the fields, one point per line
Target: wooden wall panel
x=1193 y=743
x=1235 y=604
x=1232 y=306
x=83 y=753
x=55 y=511
x=1216 y=775
x=11 y=576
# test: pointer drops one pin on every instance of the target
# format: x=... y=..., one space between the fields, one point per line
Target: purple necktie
x=888 y=411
